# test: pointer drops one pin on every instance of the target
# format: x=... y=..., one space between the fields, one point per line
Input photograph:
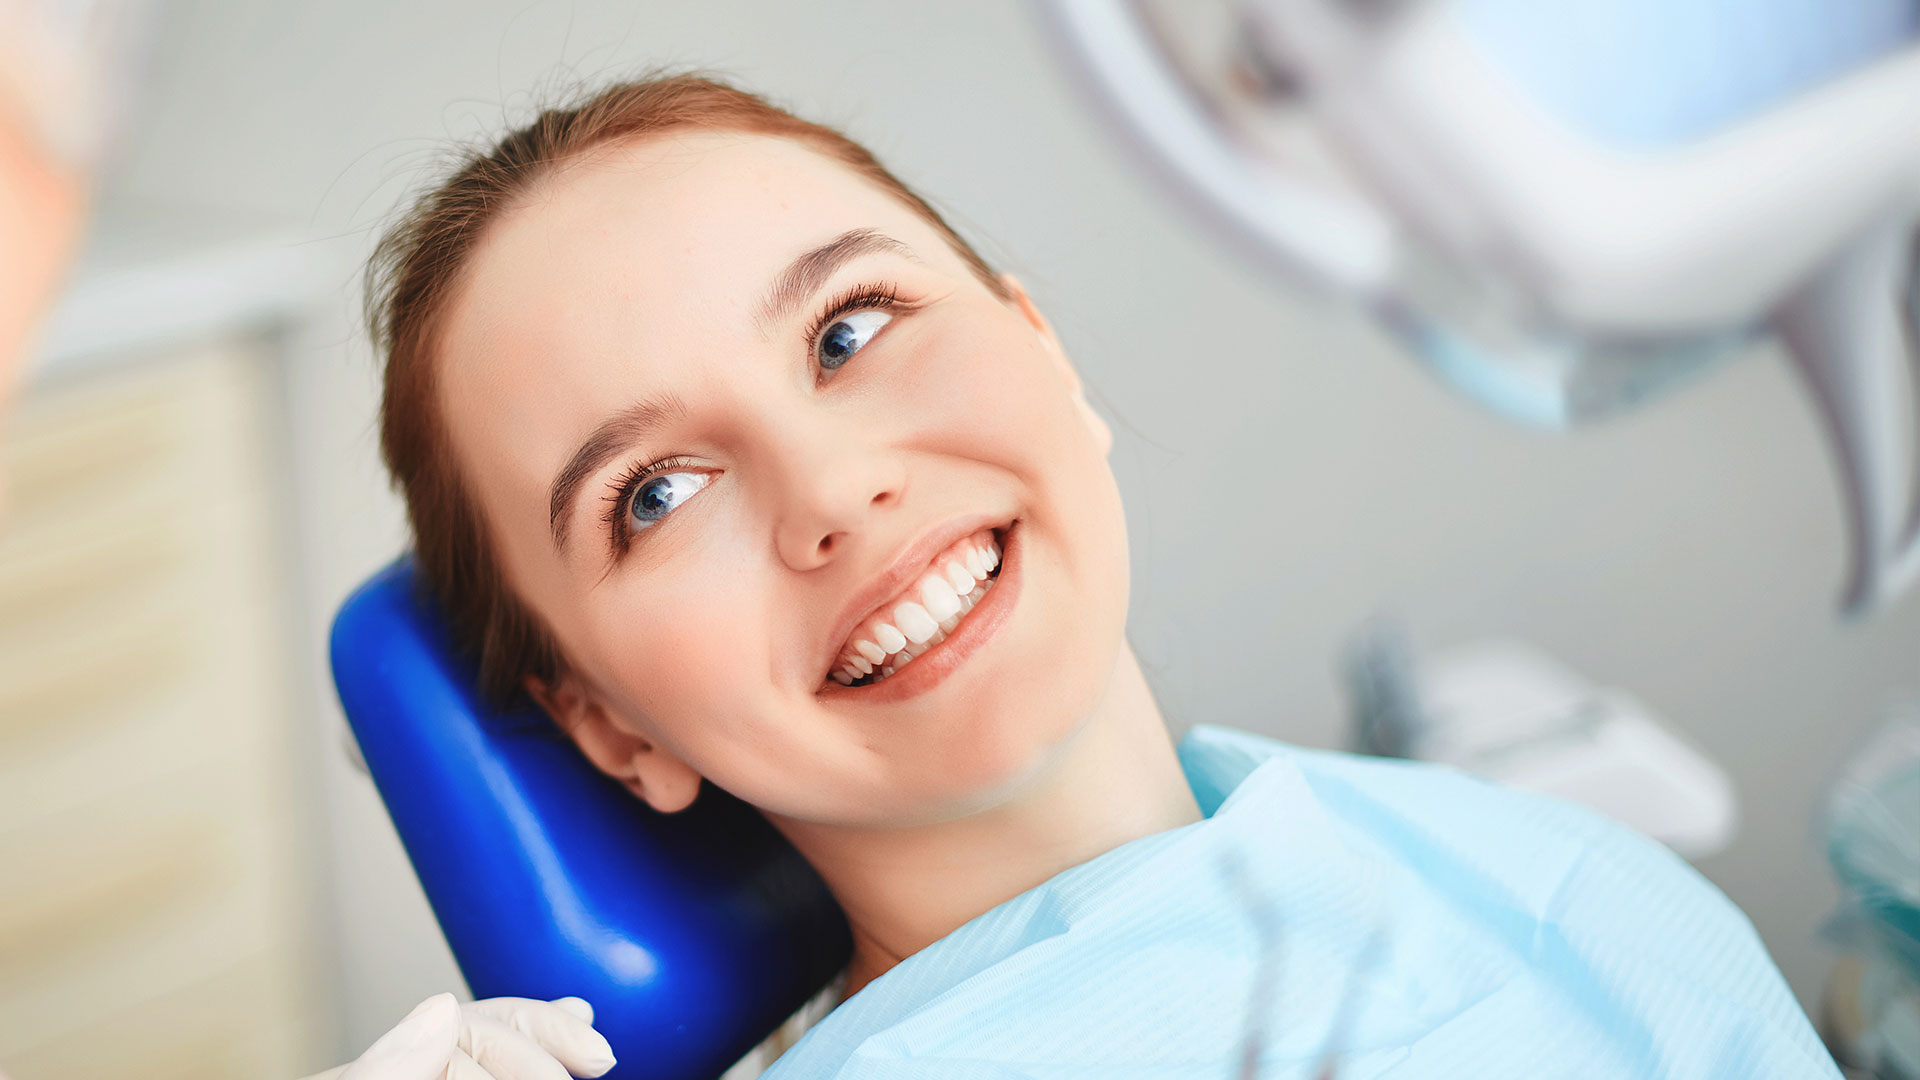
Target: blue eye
x=849 y=335
x=661 y=495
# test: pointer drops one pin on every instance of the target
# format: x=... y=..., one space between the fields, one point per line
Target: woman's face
x=728 y=408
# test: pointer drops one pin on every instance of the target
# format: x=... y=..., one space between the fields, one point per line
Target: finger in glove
x=554 y=1027
x=416 y=1048
x=462 y=1067
x=507 y=1054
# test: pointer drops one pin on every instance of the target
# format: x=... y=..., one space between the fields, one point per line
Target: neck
x=1115 y=781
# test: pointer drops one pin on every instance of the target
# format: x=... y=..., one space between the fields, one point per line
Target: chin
x=1016 y=736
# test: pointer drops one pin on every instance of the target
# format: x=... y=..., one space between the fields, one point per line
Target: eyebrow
x=802 y=278
x=804 y=275
x=616 y=433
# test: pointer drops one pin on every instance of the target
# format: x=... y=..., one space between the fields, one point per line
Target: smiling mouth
x=923 y=614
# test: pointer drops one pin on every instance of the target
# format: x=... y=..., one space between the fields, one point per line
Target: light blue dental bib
x=1487 y=934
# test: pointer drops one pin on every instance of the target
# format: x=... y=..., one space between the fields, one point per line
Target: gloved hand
x=495 y=1039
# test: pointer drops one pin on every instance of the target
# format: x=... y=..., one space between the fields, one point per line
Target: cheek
x=985 y=388
x=684 y=658
x=992 y=393
x=1007 y=403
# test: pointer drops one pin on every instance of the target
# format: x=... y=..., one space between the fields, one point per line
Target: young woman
x=722 y=444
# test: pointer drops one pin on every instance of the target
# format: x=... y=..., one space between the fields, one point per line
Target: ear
x=1102 y=434
x=649 y=770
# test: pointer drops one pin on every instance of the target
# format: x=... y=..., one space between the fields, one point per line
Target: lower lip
x=932 y=667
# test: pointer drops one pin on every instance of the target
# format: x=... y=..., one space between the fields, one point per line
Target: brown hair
x=418 y=264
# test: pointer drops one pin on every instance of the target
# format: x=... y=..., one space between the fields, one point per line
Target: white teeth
x=976 y=566
x=939 y=598
x=914 y=622
x=946 y=593
x=959 y=578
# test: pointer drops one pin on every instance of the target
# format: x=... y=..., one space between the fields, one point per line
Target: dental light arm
x=1850 y=331
x=1566 y=209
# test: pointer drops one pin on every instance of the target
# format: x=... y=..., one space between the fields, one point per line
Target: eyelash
x=879 y=296
x=623 y=491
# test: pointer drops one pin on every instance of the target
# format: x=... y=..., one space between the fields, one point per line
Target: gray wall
x=1287 y=471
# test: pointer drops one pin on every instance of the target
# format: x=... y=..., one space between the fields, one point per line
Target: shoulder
x=1535 y=846
x=1439 y=801
x=1593 y=892
x=1445 y=799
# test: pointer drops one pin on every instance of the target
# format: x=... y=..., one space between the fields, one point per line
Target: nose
x=834 y=490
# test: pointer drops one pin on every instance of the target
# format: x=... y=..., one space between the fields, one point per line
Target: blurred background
x=199 y=882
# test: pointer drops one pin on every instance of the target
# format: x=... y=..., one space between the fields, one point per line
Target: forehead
x=655 y=232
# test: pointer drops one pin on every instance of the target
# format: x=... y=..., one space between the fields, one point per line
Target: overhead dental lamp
x=1566 y=208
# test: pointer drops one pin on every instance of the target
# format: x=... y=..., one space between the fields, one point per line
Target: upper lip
x=913 y=561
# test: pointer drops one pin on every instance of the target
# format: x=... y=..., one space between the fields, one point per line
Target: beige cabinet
x=154 y=894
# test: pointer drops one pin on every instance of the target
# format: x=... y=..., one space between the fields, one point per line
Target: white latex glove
x=495 y=1039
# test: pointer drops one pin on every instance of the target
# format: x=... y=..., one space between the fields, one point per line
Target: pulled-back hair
x=412 y=276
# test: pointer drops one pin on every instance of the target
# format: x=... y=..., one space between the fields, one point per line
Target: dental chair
x=693 y=935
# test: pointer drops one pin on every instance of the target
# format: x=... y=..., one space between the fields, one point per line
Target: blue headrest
x=694 y=934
